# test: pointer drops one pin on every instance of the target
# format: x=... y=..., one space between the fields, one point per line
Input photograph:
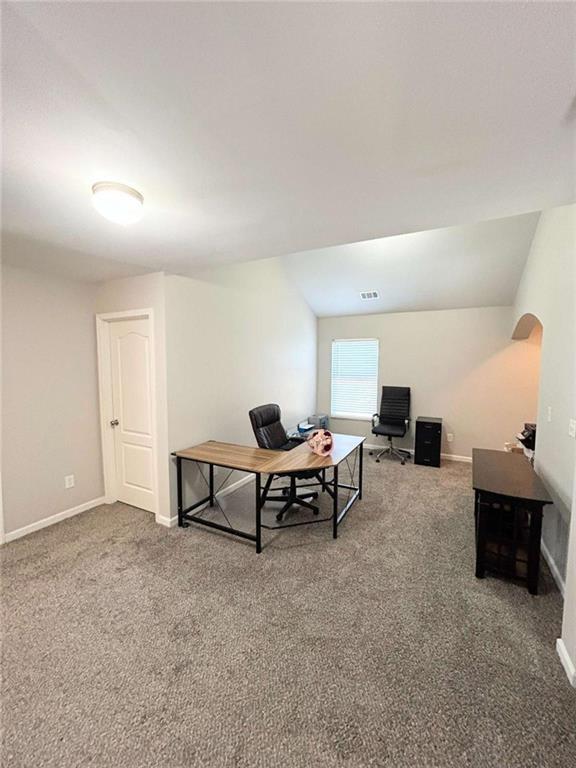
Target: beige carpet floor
x=128 y=644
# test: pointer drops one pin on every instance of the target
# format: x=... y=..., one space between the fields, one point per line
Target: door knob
x=114 y=423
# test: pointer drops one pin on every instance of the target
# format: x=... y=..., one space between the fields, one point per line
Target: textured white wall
x=50 y=422
x=548 y=290
x=237 y=337
x=460 y=364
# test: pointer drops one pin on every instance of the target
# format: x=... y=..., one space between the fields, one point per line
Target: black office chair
x=270 y=433
x=393 y=420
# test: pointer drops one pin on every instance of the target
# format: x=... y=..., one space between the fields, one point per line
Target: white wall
x=548 y=290
x=237 y=337
x=147 y=292
x=50 y=396
x=460 y=364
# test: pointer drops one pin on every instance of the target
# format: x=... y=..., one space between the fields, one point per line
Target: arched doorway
x=529 y=330
x=526 y=326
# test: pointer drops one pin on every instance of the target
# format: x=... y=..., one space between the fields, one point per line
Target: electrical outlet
x=450 y=437
x=572 y=428
x=549 y=414
x=69 y=481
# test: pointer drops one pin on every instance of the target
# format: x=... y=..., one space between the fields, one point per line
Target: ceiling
x=263 y=129
x=475 y=265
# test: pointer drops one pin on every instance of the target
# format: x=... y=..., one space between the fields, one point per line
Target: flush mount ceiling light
x=117 y=202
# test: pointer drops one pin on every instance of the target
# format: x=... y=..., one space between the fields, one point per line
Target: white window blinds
x=354 y=390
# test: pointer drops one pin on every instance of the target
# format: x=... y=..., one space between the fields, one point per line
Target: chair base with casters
x=393 y=451
x=290 y=497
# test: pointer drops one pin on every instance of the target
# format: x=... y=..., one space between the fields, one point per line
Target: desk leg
x=480 y=539
x=257 y=483
x=335 y=505
x=179 y=486
x=475 y=517
x=534 y=550
x=360 y=470
x=211 y=483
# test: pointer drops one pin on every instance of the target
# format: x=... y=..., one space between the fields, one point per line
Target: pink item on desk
x=321 y=442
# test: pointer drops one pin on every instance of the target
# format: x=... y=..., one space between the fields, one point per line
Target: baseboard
x=553 y=567
x=567 y=663
x=46 y=521
x=234 y=486
x=167 y=522
x=170 y=522
x=455 y=457
x=447 y=456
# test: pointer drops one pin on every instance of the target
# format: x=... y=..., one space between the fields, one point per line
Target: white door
x=132 y=420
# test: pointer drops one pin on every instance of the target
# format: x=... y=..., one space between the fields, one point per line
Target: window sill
x=350 y=417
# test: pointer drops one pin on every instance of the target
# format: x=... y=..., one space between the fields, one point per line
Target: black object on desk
x=509 y=500
x=428 y=441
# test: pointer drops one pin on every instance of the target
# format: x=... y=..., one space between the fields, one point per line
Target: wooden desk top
x=249 y=459
x=229 y=455
x=507 y=474
x=301 y=458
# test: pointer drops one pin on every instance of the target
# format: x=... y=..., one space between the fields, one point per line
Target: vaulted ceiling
x=263 y=129
x=475 y=265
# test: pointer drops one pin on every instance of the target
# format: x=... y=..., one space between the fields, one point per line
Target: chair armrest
x=375 y=419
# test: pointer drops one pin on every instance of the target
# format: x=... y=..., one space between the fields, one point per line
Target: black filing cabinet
x=428 y=441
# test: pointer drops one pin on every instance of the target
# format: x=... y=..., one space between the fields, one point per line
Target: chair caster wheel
x=402 y=462
x=185 y=525
x=377 y=461
x=316 y=511
x=279 y=518
x=371 y=453
x=314 y=495
x=285 y=491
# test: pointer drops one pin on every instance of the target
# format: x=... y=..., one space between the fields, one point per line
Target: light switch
x=69 y=481
x=549 y=413
x=572 y=428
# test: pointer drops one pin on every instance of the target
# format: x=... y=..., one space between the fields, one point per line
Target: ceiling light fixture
x=117 y=202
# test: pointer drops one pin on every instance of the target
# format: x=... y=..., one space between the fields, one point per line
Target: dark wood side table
x=509 y=501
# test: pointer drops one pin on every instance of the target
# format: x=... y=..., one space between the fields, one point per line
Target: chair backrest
x=268 y=429
x=395 y=405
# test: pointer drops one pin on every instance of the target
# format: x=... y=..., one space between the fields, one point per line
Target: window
x=354 y=378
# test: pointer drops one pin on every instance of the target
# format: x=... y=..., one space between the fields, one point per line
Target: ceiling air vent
x=369 y=295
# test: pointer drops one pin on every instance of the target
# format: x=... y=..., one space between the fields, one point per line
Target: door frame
x=103 y=322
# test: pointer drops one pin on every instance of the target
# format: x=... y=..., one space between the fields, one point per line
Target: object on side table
x=509 y=501
x=393 y=420
x=428 y=441
x=528 y=439
x=528 y=436
x=513 y=448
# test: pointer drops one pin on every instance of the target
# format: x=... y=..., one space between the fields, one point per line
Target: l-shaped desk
x=261 y=461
